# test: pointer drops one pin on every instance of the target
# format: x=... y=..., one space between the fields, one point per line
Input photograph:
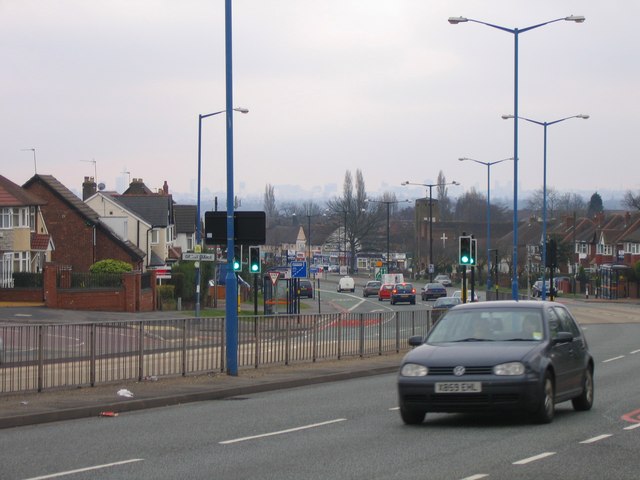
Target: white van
x=346 y=284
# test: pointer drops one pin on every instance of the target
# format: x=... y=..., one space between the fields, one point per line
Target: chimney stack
x=88 y=187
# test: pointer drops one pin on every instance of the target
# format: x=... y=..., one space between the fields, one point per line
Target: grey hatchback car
x=522 y=356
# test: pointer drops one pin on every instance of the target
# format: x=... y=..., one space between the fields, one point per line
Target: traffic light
x=464 y=251
x=474 y=251
x=254 y=260
x=552 y=253
x=237 y=258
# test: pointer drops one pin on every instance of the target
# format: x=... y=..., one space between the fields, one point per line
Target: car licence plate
x=458 y=387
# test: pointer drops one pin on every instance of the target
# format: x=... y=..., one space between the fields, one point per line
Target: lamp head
x=456 y=20
x=405 y=183
x=507 y=117
x=583 y=116
x=241 y=110
x=462 y=159
x=575 y=18
x=455 y=183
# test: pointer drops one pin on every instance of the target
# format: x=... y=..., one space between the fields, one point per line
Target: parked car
x=443 y=279
x=346 y=284
x=523 y=356
x=385 y=291
x=458 y=294
x=403 y=292
x=442 y=306
x=536 y=290
x=446 y=302
x=371 y=288
x=433 y=290
x=305 y=288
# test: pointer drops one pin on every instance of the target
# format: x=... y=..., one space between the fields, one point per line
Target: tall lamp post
x=198 y=213
x=388 y=203
x=35 y=165
x=430 y=187
x=543 y=294
x=488 y=165
x=516 y=32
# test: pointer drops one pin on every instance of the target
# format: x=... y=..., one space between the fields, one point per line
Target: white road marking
x=22 y=315
x=281 y=432
x=597 y=439
x=87 y=469
x=632 y=427
x=398 y=408
x=634 y=352
x=534 y=458
x=612 y=359
x=478 y=476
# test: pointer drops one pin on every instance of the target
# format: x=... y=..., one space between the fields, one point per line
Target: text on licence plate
x=458 y=387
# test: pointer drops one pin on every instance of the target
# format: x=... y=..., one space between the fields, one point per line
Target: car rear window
x=404 y=288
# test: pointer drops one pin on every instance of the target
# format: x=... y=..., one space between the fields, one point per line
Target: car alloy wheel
x=585 y=400
x=546 y=411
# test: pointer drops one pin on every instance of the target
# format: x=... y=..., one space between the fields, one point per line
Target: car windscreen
x=406 y=288
x=503 y=324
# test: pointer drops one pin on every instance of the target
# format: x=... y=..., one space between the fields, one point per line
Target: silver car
x=443 y=279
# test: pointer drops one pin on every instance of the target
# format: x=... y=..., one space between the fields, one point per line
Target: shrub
x=110 y=266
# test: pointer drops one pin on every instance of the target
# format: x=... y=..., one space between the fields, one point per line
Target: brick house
x=80 y=238
x=25 y=243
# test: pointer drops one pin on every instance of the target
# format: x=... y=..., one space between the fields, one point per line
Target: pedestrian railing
x=40 y=357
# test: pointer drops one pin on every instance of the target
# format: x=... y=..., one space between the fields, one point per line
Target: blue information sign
x=298 y=269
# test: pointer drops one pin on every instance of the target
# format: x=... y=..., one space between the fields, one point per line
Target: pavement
x=32 y=408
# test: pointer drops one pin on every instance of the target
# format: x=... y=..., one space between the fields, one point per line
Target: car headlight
x=413 y=370
x=511 y=368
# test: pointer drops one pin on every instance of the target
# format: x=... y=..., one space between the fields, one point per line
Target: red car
x=385 y=291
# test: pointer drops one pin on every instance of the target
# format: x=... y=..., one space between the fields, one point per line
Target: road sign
x=201 y=257
x=274 y=277
x=298 y=269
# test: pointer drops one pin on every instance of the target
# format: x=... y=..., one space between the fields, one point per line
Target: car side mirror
x=416 y=340
x=563 y=337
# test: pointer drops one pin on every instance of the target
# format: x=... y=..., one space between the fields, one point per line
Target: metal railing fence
x=40 y=357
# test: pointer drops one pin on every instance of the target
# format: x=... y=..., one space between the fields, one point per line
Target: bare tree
x=270 y=208
x=630 y=200
x=444 y=202
x=351 y=214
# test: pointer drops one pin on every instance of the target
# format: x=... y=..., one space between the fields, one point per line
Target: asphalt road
x=348 y=429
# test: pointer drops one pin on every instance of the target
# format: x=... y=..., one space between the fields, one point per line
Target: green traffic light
x=465 y=259
x=254 y=268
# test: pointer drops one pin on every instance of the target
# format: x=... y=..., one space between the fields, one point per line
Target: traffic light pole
x=464 y=284
x=255 y=294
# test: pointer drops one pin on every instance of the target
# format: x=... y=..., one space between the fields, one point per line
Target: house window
x=5 y=217
x=582 y=248
x=21 y=261
x=190 y=242
x=32 y=218
x=155 y=237
x=169 y=234
x=604 y=249
x=633 y=248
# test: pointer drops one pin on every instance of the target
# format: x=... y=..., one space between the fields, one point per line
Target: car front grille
x=467 y=370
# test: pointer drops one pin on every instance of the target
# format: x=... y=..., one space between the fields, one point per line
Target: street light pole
x=388 y=203
x=543 y=294
x=430 y=186
x=198 y=213
x=488 y=165
x=516 y=32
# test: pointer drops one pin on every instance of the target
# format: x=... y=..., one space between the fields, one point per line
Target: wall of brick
x=21 y=295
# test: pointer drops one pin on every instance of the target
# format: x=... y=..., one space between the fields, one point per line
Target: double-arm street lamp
x=543 y=294
x=516 y=33
x=388 y=203
x=198 y=213
x=488 y=165
x=430 y=187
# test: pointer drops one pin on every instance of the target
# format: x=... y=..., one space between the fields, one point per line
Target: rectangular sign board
x=199 y=257
x=250 y=228
x=298 y=269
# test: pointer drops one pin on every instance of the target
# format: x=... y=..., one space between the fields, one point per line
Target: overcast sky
x=385 y=86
